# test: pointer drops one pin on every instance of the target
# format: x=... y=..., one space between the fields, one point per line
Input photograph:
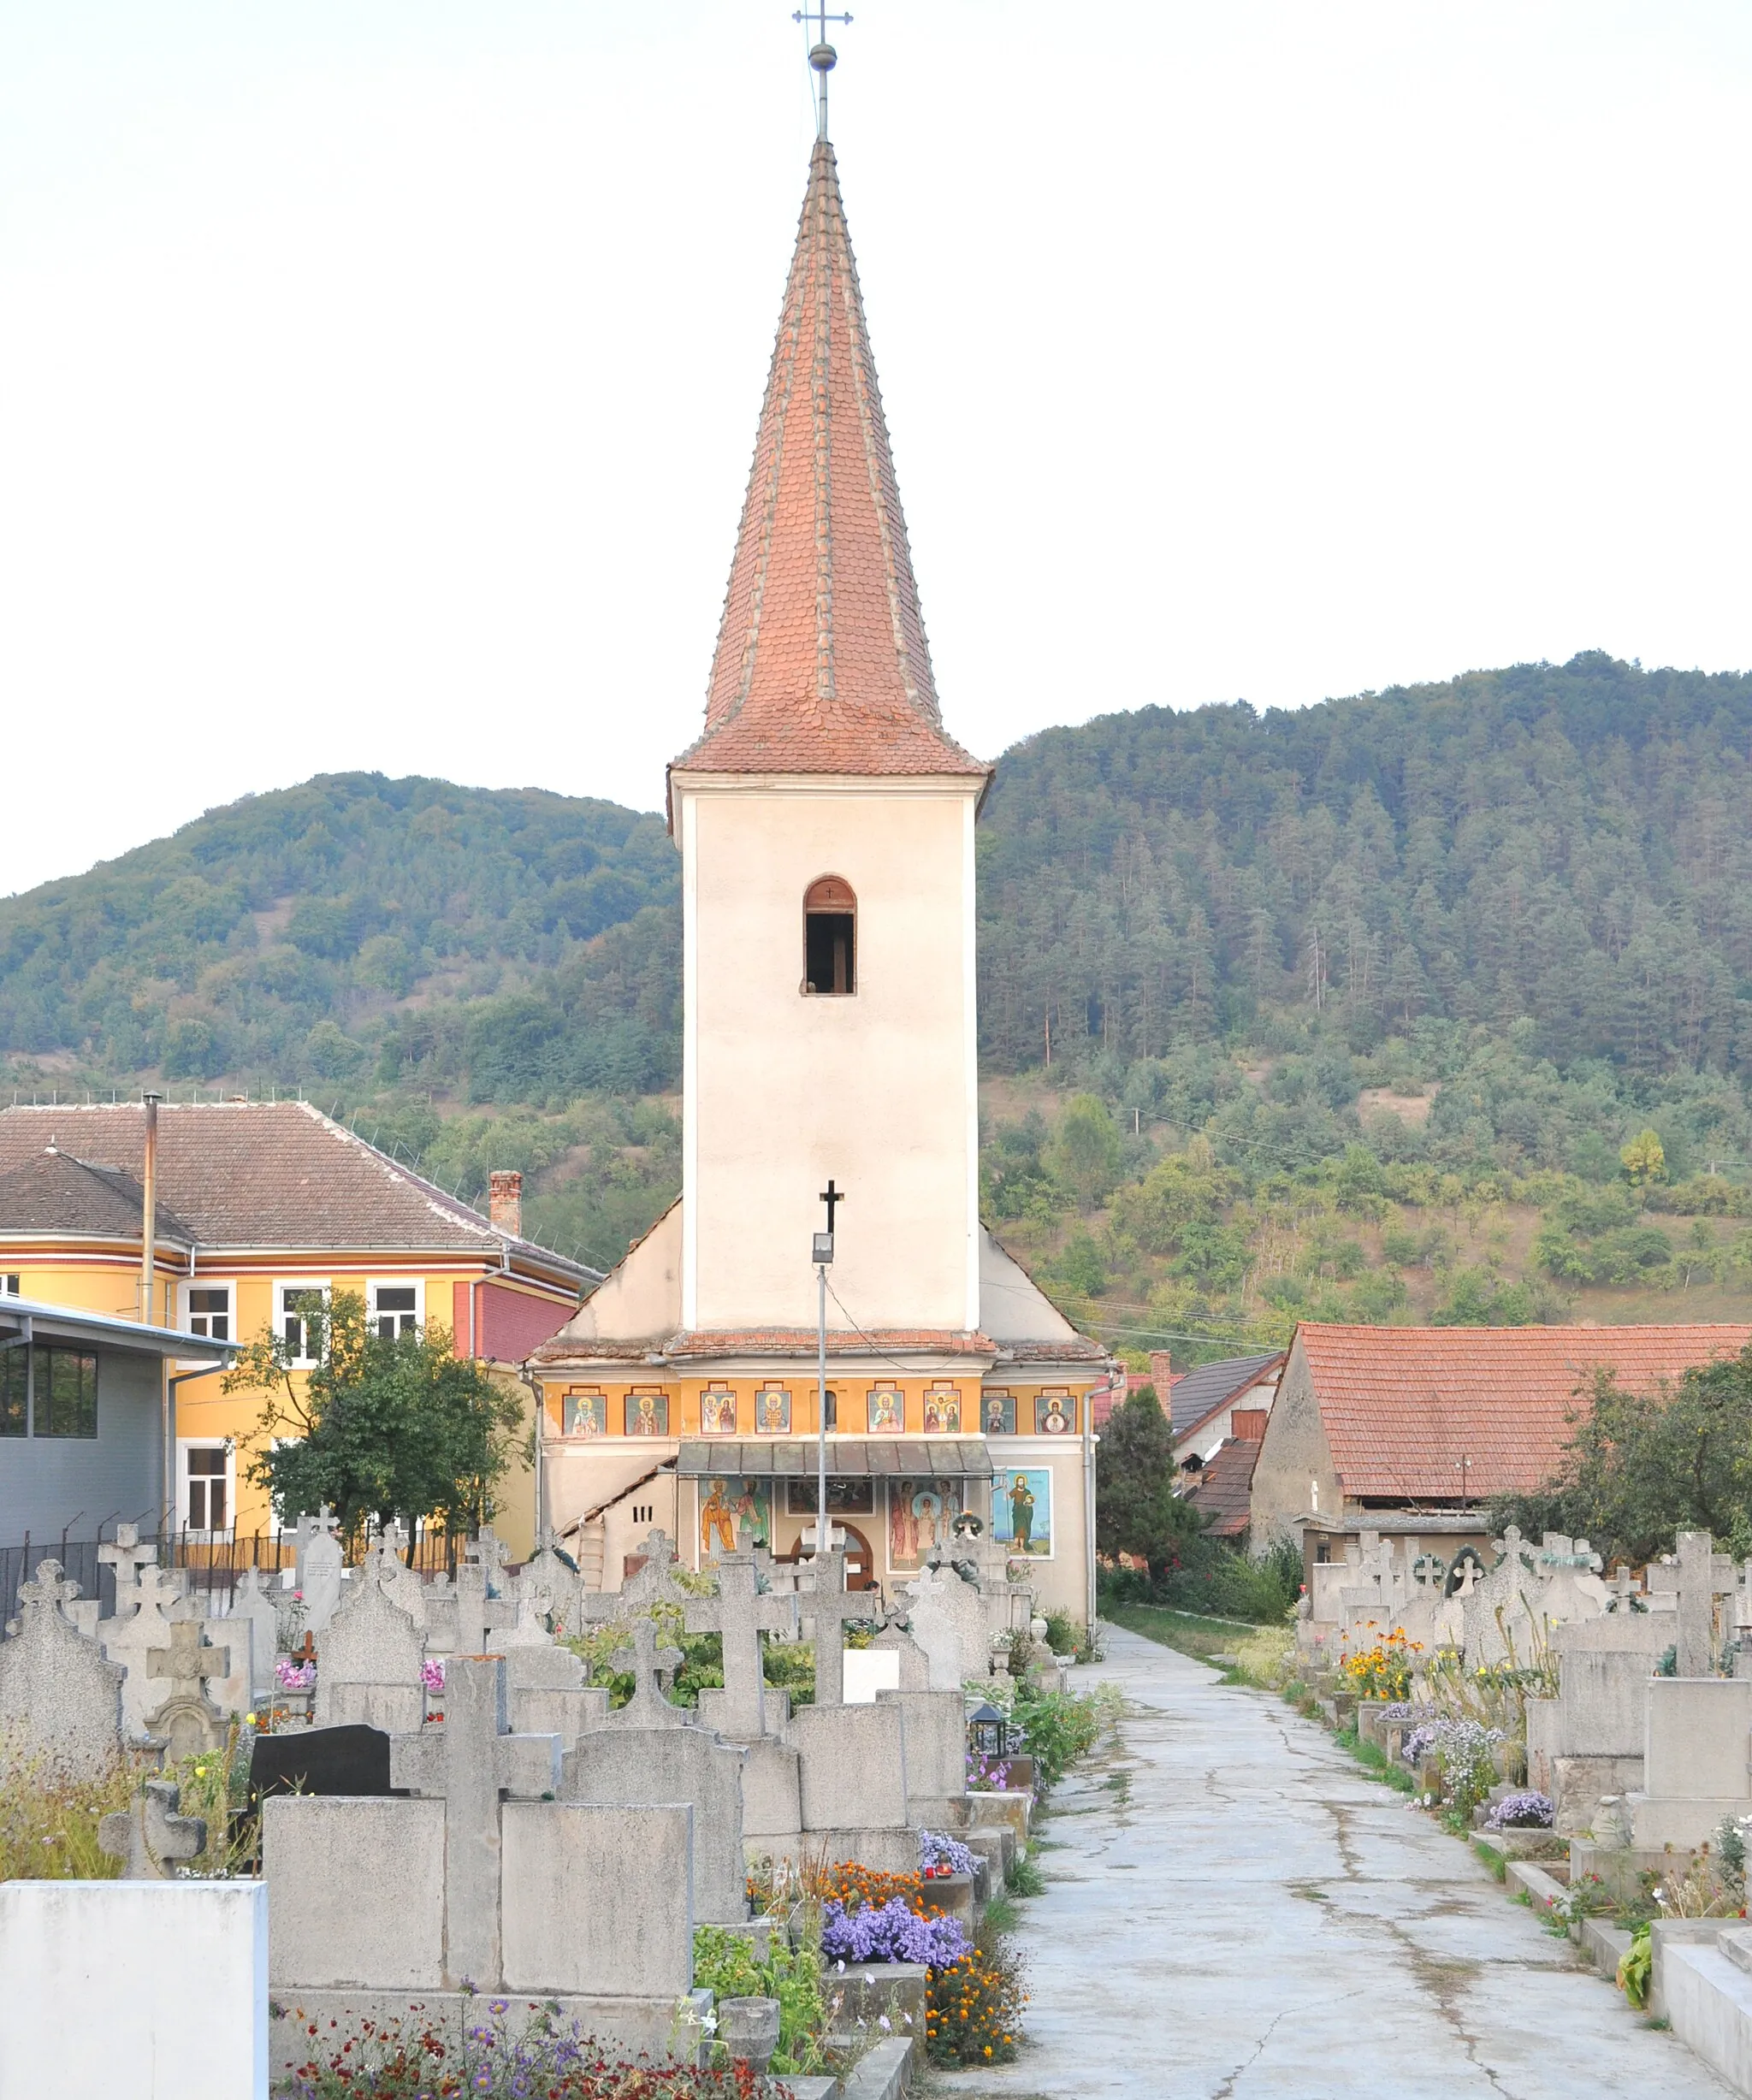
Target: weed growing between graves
x=1022 y=1876
x=1058 y=1728
x=401 y=2060
x=49 y=1823
x=724 y=1964
x=1375 y=1761
x=1263 y=1658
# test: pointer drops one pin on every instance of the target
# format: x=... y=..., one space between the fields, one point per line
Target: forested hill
x=358 y=928
x=1565 y=844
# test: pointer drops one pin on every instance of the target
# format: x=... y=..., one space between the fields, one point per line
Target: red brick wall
x=510 y=1323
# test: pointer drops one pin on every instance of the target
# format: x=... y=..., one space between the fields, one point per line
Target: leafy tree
x=1644 y=1157
x=1136 y=1509
x=1638 y=1469
x=391 y=1426
x=1085 y=1153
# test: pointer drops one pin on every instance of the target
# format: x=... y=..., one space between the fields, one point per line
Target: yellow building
x=259 y=1204
x=825 y=822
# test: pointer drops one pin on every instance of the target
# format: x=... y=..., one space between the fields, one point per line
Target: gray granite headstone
x=60 y=1699
x=368 y=1667
x=631 y=1767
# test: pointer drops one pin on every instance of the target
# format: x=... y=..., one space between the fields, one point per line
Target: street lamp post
x=822 y=1255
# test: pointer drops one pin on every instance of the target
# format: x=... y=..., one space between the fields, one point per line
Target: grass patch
x=1375 y=1761
x=1001 y=1914
x=1025 y=1877
x=1186 y=1631
x=1492 y=1858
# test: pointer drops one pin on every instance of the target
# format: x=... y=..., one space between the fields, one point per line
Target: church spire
x=821 y=665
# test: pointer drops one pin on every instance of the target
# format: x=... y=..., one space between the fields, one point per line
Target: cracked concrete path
x=1235 y=1911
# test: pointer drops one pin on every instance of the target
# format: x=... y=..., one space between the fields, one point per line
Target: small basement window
x=830 y=937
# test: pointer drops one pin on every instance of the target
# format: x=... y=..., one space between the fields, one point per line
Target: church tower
x=825 y=821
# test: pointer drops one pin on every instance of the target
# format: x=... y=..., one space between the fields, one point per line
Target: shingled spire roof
x=821 y=665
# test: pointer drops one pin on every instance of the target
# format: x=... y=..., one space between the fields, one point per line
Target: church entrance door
x=859 y=1561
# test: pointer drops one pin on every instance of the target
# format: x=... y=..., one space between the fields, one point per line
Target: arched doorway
x=859 y=1561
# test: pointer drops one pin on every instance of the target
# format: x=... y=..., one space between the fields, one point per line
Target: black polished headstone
x=353 y=1760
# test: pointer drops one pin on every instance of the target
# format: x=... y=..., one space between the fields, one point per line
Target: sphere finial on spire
x=823 y=58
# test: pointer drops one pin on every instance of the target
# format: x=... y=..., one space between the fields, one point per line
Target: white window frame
x=11 y=1285
x=185 y=1445
x=187 y=1315
x=416 y=1284
x=316 y=1287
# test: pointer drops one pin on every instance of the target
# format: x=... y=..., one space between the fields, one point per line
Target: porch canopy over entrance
x=848 y=1458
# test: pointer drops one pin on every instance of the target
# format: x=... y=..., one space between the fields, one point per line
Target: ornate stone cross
x=187 y=1721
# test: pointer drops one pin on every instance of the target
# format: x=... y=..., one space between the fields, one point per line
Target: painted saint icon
x=1000 y=1414
x=887 y=1412
x=586 y=1414
x=922 y=1514
x=1021 y=1510
x=772 y=1412
x=647 y=1414
x=717 y=1521
x=753 y=1525
x=1051 y=1418
x=717 y=1412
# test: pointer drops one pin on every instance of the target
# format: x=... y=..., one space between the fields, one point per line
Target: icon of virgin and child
x=920 y=1514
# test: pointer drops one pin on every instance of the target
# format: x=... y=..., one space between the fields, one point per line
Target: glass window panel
x=12 y=1392
x=67 y=1393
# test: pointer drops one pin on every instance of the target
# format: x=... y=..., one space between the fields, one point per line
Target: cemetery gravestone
x=631 y=1767
x=471 y=1763
x=251 y=1605
x=550 y=1694
x=648 y=1708
x=738 y=1614
x=326 y=1761
x=60 y=1699
x=124 y=1559
x=186 y=1721
x=132 y=1641
x=319 y=1563
x=149 y=1837
x=372 y=1655
x=828 y=1605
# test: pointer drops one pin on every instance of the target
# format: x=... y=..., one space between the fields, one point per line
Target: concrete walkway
x=1235 y=1911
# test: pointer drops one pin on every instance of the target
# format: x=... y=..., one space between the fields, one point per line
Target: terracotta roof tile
x=1404 y=1406
x=1208 y=1387
x=261 y=1174
x=821 y=665
x=51 y=1192
x=771 y=1341
x=1225 y=1489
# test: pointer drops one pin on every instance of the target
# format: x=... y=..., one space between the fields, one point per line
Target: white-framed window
x=292 y=1315
x=208 y=1310
x=10 y=1284
x=397 y=1307
x=206 y=1472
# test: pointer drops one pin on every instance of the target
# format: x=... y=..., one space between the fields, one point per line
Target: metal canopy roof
x=24 y=1319
x=848 y=1458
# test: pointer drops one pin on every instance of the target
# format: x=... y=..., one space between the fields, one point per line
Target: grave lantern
x=988 y=1732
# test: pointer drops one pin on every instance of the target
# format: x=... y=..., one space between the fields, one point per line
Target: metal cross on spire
x=822 y=56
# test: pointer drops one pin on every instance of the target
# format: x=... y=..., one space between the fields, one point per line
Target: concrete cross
x=127 y=1556
x=648 y=1708
x=1624 y=1590
x=739 y=1614
x=826 y=1602
x=1704 y=1575
x=471 y=1764
x=488 y=1551
x=49 y=1591
x=189 y=1661
x=149 y=1837
x=1465 y=1577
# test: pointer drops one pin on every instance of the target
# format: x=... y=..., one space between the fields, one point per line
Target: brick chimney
x=505 y=1201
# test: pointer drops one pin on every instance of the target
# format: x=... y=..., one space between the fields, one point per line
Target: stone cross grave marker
x=251 y=1603
x=1704 y=1575
x=738 y=1614
x=60 y=1701
x=828 y=1603
x=469 y=1764
x=125 y=1559
x=149 y=1837
x=134 y=1640
x=187 y=1721
x=1624 y=1590
x=648 y=1708
x=398 y=1582
x=562 y=1582
x=319 y=1567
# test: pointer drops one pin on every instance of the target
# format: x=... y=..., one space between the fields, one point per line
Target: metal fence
x=212 y=1565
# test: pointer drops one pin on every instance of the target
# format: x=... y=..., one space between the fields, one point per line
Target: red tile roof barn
x=821 y=665
x=1403 y=1406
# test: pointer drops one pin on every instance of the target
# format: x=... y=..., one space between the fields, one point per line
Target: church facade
x=825 y=822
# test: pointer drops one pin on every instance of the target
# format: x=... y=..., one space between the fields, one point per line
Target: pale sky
x=378 y=378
